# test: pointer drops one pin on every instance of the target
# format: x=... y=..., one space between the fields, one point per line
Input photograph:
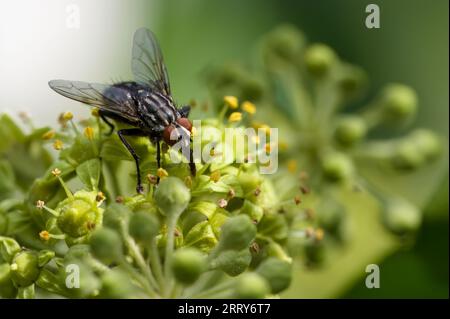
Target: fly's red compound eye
x=184 y=122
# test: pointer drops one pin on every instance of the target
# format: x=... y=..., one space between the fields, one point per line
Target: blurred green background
x=410 y=47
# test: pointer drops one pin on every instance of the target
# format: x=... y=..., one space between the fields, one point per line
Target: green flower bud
x=278 y=273
x=253 y=211
x=7 y=289
x=172 y=196
x=116 y=284
x=398 y=101
x=319 y=58
x=237 y=233
x=427 y=143
x=402 y=217
x=337 y=167
x=350 y=130
x=232 y=262
x=143 y=226
x=116 y=215
x=187 y=265
x=407 y=156
x=79 y=215
x=25 y=268
x=106 y=245
x=251 y=286
x=285 y=42
x=351 y=81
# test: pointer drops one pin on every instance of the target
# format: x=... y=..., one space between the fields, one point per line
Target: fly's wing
x=147 y=62
x=109 y=98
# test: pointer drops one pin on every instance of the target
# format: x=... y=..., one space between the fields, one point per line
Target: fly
x=145 y=104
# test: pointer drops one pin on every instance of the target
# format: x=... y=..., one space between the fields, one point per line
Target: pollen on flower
x=119 y=199
x=89 y=133
x=100 y=197
x=249 y=107
x=67 y=116
x=309 y=232
x=231 y=101
x=222 y=203
x=215 y=176
x=56 y=171
x=58 y=145
x=305 y=189
x=235 y=117
x=152 y=179
x=40 y=204
x=44 y=235
x=161 y=173
x=48 y=135
x=319 y=234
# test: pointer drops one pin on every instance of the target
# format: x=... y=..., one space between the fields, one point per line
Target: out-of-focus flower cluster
x=329 y=130
x=74 y=227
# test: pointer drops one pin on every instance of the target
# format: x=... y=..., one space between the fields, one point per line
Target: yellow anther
x=249 y=107
x=235 y=117
x=231 y=101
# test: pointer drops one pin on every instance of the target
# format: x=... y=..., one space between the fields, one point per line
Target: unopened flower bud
x=337 y=167
x=350 y=130
x=251 y=286
x=106 y=245
x=143 y=226
x=402 y=217
x=187 y=265
x=398 y=101
x=232 y=262
x=172 y=196
x=278 y=273
x=319 y=59
x=237 y=233
x=25 y=268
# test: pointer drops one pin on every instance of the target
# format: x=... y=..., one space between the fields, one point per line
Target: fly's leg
x=105 y=119
x=191 y=161
x=133 y=132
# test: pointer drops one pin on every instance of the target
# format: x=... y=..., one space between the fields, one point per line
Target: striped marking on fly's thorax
x=158 y=109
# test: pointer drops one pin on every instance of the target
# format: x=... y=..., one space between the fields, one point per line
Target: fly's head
x=181 y=129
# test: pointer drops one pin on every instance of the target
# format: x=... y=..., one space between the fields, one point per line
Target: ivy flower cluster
x=71 y=224
x=329 y=129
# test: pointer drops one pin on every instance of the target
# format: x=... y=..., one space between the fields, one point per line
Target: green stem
x=155 y=262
